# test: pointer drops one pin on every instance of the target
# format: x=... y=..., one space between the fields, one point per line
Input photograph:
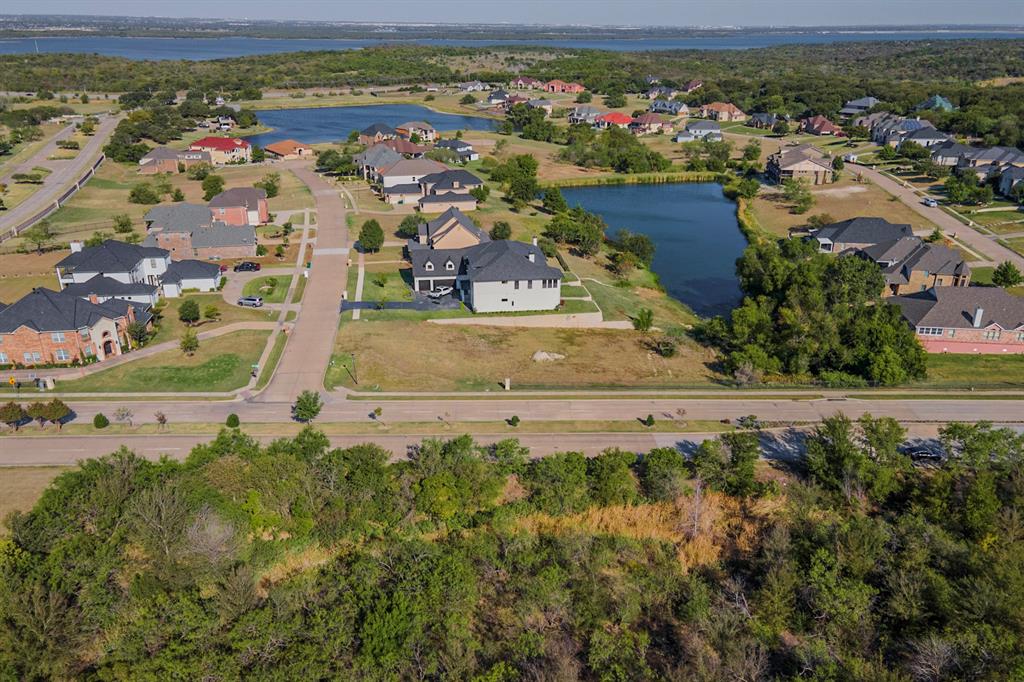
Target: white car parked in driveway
x=440 y=292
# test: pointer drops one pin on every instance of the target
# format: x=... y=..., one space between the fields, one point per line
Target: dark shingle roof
x=44 y=310
x=507 y=260
x=864 y=231
x=444 y=222
x=451 y=179
x=101 y=285
x=955 y=307
x=110 y=256
x=382 y=128
x=925 y=134
x=190 y=269
x=378 y=156
x=445 y=198
x=404 y=188
x=179 y=216
x=248 y=197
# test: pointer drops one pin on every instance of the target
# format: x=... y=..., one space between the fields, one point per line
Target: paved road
x=309 y=348
x=975 y=240
x=64 y=173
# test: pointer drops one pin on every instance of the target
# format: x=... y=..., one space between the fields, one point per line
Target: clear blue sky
x=593 y=12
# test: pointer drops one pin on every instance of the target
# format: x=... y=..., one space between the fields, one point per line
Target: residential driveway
x=419 y=302
x=64 y=173
x=305 y=361
x=947 y=223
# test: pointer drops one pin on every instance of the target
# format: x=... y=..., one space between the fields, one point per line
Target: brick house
x=820 y=125
x=377 y=133
x=722 y=111
x=224 y=150
x=54 y=327
x=421 y=129
x=563 y=87
x=802 y=162
x=977 y=320
x=166 y=160
x=526 y=83
x=911 y=265
x=241 y=206
x=858 y=234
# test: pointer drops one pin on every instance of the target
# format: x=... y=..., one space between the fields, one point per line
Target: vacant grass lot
x=272 y=288
x=419 y=356
x=984 y=276
x=220 y=364
x=981 y=371
x=170 y=328
x=841 y=200
x=21 y=487
x=387 y=282
x=1017 y=244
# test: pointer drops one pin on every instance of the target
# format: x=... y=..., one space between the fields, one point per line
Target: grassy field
x=1017 y=244
x=267 y=371
x=404 y=356
x=220 y=364
x=20 y=487
x=397 y=282
x=841 y=200
x=983 y=275
x=171 y=328
x=981 y=371
x=272 y=288
x=1000 y=222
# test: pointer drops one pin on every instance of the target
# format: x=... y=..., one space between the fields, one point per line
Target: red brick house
x=820 y=125
x=224 y=150
x=241 y=206
x=973 y=320
x=166 y=160
x=526 y=83
x=722 y=111
x=53 y=327
x=561 y=86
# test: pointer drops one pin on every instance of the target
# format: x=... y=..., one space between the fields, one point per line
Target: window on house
x=3 y=358
x=930 y=331
x=429 y=267
x=57 y=337
x=529 y=284
x=89 y=352
x=61 y=355
x=516 y=285
x=991 y=334
x=449 y=265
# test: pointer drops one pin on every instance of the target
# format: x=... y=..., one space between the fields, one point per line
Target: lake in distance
x=331 y=124
x=694 y=229
x=240 y=46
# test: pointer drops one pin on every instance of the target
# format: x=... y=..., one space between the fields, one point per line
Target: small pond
x=694 y=229
x=331 y=124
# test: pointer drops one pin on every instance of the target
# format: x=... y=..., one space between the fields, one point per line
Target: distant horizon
x=622 y=14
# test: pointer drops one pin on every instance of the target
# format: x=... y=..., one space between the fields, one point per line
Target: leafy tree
x=639 y=245
x=1006 y=274
x=467 y=99
x=12 y=414
x=271 y=184
x=554 y=202
x=123 y=224
x=371 y=236
x=211 y=312
x=258 y=155
x=501 y=230
x=232 y=421
x=752 y=151
x=307 y=406
x=212 y=186
x=615 y=100
x=39 y=235
x=584 y=97
x=188 y=311
x=781 y=128
x=56 y=412
x=558 y=484
x=100 y=421
x=611 y=478
x=143 y=193
x=663 y=472
x=748 y=188
x=199 y=171
x=189 y=343
x=37 y=411
x=798 y=194
x=409 y=228
x=138 y=333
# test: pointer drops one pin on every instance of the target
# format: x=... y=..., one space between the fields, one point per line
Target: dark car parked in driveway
x=247 y=266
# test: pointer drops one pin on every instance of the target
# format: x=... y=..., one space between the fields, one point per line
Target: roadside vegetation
x=852 y=564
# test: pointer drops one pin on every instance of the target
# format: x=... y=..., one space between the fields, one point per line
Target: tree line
x=298 y=560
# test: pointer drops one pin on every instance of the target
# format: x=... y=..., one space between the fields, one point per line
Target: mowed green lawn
x=979 y=371
x=220 y=364
x=271 y=288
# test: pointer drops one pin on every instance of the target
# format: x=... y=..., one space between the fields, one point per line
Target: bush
x=143 y=193
x=513 y=420
x=100 y=421
x=649 y=421
x=232 y=421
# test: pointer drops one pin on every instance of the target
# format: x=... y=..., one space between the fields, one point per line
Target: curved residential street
x=64 y=173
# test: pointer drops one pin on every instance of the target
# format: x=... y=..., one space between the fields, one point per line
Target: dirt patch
x=847 y=191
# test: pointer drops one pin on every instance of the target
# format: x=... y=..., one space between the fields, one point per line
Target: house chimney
x=978 y=312
x=76 y=247
x=93 y=299
x=535 y=241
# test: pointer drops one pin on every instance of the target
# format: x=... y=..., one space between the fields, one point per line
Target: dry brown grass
x=21 y=487
x=406 y=355
x=844 y=199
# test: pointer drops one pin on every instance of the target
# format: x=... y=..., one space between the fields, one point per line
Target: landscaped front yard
x=421 y=356
x=221 y=364
x=170 y=328
x=271 y=288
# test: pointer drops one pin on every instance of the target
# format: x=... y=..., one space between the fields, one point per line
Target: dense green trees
x=614 y=148
x=812 y=314
x=371 y=236
x=295 y=560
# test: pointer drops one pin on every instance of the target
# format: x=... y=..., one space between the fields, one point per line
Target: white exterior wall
x=392 y=180
x=149 y=270
x=253 y=216
x=495 y=297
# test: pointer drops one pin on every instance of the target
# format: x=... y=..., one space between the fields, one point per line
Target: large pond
x=238 y=46
x=694 y=229
x=330 y=124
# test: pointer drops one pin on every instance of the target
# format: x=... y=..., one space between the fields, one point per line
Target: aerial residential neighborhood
x=540 y=341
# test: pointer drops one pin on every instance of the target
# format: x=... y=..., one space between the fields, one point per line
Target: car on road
x=250 y=302
x=930 y=203
x=247 y=266
x=440 y=292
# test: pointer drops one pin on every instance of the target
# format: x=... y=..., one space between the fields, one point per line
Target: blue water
x=694 y=229
x=331 y=124
x=220 y=48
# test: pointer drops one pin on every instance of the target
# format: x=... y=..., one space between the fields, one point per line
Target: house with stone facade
x=241 y=206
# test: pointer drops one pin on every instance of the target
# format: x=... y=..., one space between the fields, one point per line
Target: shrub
x=513 y=420
x=232 y=421
x=143 y=193
x=649 y=421
x=100 y=421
